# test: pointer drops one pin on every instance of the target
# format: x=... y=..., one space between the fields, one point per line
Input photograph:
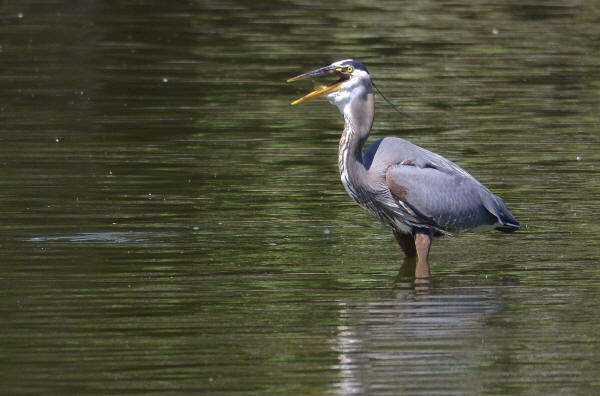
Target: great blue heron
x=418 y=193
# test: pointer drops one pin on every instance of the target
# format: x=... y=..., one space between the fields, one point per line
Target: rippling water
x=172 y=225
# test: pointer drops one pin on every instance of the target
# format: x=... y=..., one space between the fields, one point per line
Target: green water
x=170 y=225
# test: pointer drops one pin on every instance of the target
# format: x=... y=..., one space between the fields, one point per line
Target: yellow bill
x=324 y=89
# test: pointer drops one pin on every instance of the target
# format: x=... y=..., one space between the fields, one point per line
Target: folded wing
x=446 y=199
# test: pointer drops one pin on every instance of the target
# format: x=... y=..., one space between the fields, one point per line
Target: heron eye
x=349 y=69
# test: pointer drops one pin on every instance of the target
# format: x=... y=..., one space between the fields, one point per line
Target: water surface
x=172 y=225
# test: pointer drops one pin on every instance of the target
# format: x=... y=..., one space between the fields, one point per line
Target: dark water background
x=171 y=225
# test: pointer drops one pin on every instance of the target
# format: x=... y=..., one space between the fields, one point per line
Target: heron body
x=418 y=193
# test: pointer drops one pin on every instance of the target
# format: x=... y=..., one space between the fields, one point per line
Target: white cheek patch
x=360 y=73
x=341 y=99
x=349 y=89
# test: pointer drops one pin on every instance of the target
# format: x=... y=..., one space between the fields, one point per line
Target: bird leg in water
x=422 y=245
x=406 y=242
x=416 y=246
x=407 y=270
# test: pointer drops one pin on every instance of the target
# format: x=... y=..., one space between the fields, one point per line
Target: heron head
x=352 y=80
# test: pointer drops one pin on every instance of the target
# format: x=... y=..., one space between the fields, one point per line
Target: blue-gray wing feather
x=437 y=191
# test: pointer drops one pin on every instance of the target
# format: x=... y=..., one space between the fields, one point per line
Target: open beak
x=324 y=89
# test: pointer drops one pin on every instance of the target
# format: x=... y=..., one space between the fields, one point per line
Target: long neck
x=358 y=118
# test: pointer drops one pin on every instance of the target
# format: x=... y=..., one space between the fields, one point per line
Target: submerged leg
x=422 y=244
x=406 y=242
x=407 y=269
